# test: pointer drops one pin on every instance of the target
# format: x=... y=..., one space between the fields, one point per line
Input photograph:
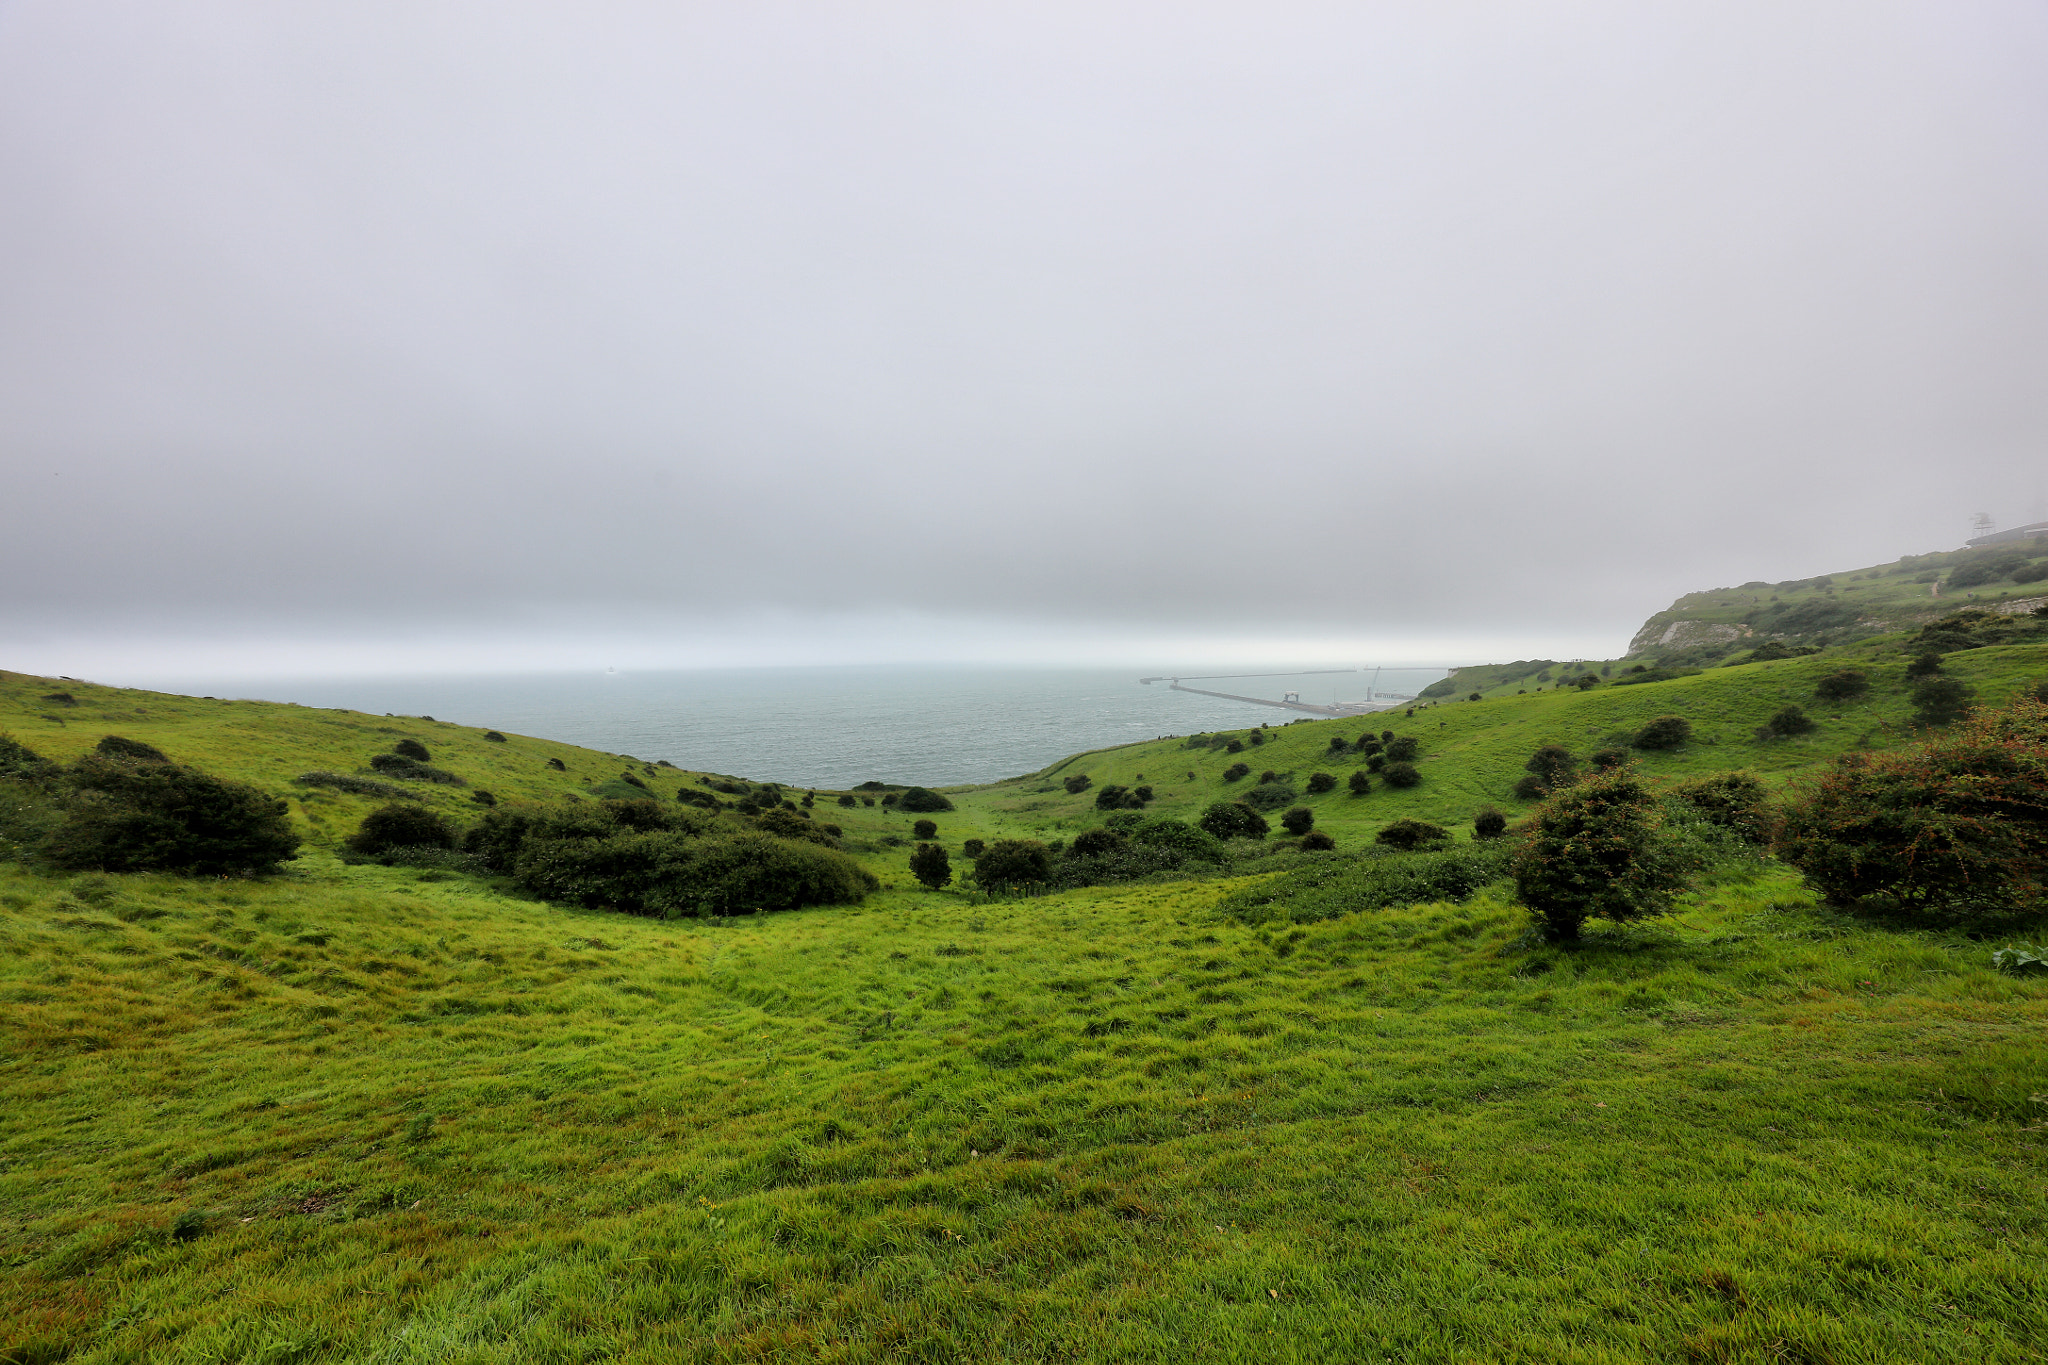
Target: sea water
x=830 y=727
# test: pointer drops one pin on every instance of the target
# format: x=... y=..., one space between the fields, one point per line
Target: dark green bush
x=1326 y=888
x=412 y=749
x=1940 y=701
x=355 y=786
x=1786 y=723
x=1111 y=797
x=482 y=797
x=847 y=799
x=1318 y=783
x=1338 y=744
x=1489 y=824
x=1233 y=820
x=1360 y=783
x=1552 y=766
x=1126 y=820
x=1269 y=796
x=1844 y=684
x=925 y=829
x=558 y=765
x=923 y=801
x=671 y=874
x=412 y=770
x=402 y=824
x=1606 y=760
x=128 y=750
x=1091 y=843
x=1009 y=863
x=1401 y=775
x=494 y=737
x=1234 y=747
x=1403 y=749
x=17 y=760
x=1315 y=841
x=930 y=865
x=1665 y=732
x=1530 y=788
x=1924 y=665
x=1597 y=849
x=162 y=816
x=691 y=796
x=1411 y=834
x=1298 y=820
x=1077 y=784
x=973 y=848
x=1235 y=771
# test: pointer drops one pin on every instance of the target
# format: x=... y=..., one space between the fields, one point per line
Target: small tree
x=1489 y=824
x=1842 y=685
x=1939 y=701
x=1298 y=820
x=1360 y=783
x=1665 y=732
x=930 y=865
x=1404 y=749
x=1597 y=850
x=925 y=829
x=973 y=848
x=413 y=749
x=1110 y=797
x=1318 y=783
x=1401 y=775
x=1785 y=723
x=1013 y=862
x=1409 y=835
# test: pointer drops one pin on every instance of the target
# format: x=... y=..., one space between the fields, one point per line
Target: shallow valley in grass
x=357 y=1112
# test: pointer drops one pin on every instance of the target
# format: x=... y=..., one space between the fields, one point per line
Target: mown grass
x=369 y=1114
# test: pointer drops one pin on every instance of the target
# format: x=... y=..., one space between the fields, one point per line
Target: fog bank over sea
x=828 y=727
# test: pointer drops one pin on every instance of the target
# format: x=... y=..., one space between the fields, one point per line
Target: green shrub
x=142 y=817
x=1090 y=843
x=1411 y=834
x=494 y=737
x=1009 y=863
x=1298 y=821
x=1233 y=820
x=930 y=865
x=1924 y=665
x=1939 y=701
x=1403 y=749
x=1189 y=841
x=1733 y=800
x=483 y=798
x=1112 y=797
x=671 y=874
x=1489 y=824
x=1665 y=732
x=925 y=829
x=402 y=824
x=691 y=796
x=973 y=848
x=1315 y=841
x=1785 y=723
x=788 y=824
x=1552 y=766
x=17 y=760
x=412 y=749
x=1125 y=820
x=1269 y=796
x=558 y=765
x=1235 y=771
x=1235 y=747
x=1076 y=784
x=412 y=770
x=355 y=786
x=1360 y=782
x=1605 y=760
x=1326 y=888
x=923 y=801
x=1338 y=744
x=1597 y=849
x=1318 y=783
x=1845 y=684
x=1958 y=823
x=847 y=799
x=128 y=750
x=1401 y=775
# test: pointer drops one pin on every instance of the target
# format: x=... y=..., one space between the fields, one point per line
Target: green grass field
x=358 y=1113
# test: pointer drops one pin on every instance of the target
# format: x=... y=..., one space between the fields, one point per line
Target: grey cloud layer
x=1186 y=318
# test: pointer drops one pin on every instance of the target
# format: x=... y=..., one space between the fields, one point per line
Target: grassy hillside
x=359 y=1113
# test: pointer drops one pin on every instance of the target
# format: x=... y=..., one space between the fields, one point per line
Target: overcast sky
x=425 y=335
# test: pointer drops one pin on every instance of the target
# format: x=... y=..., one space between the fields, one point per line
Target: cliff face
x=1834 y=608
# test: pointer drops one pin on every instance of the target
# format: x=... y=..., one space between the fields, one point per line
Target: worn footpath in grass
x=374 y=1114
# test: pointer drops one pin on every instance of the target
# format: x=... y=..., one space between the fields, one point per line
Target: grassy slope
x=1105 y=1125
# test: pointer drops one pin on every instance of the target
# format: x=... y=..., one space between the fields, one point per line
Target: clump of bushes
x=1939 y=700
x=1957 y=825
x=1235 y=771
x=1549 y=768
x=1845 y=684
x=1401 y=775
x=1298 y=821
x=1733 y=800
x=408 y=769
x=1113 y=797
x=973 y=848
x=1322 y=889
x=1077 y=784
x=1318 y=783
x=129 y=750
x=1786 y=723
x=1315 y=841
x=1008 y=864
x=412 y=749
x=923 y=801
x=925 y=829
x=494 y=737
x=1269 y=795
x=124 y=816
x=353 y=785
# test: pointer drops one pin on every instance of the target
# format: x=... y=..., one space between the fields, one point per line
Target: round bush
x=1940 y=701
x=1489 y=824
x=1360 y=782
x=1318 y=783
x=925 y=829
x=1785 y=723
x=1013 y=862
x=1597 y=850
x=1076 y=784
x=1269 y=796
x=164 y=816
x=1843 y=685
x=1606 y=759
x=930 y=865
x=1298 y=821
x=1401 y=775
x=1091 y=843
x=129 y=750
x=1233 y=820
x=1235 y=771
x=973 y=848
x=1190 y=841
x=1403 y=749
x=1665 y=732
x=1315 y=841
x=1411 y=834
x=401 y=824
x=412 y=749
